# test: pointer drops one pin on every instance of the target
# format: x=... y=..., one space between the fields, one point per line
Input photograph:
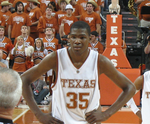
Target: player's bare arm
x=49 y=62
x=121 y=81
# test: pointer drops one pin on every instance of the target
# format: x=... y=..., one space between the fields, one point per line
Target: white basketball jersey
x=146 y=99
x=76 y=91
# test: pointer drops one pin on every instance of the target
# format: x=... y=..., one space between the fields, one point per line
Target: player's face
x=38 y=43
x=79 y=40
x=1 y=31
x=89 y=7
x=24 y=29
x=48 y=11
x=20 y=8
x=20 y=41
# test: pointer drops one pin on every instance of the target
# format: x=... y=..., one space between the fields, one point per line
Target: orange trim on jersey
x=56 y=70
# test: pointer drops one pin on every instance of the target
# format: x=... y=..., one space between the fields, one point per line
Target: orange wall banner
x=113 y=49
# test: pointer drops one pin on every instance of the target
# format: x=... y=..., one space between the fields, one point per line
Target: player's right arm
x=49 y=62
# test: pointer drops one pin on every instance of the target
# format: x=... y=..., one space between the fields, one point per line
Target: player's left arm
x=128 y=88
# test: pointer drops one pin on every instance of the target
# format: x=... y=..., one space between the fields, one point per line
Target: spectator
x=62 y=11
x=77 y=9
x=43 y=5
x=11 y=91
x=47 y=21
x=51 y=44
x=95 y=44
x=40 y=90
x=6 y=14
x=34 y=15
x=5 y=44
x=39 y=51
x=16 y=20
x=54 y=7
x=25 y=4
x=28 y=41
x=66 y=21
x=92 y=18
x=19 y=56
x=83 y=3
x=3 y=63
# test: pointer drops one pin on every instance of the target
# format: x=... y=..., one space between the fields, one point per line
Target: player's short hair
x=10 y=88
x=81 y=25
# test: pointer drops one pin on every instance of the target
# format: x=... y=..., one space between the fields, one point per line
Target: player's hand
x=96 y=116
x=46 y=118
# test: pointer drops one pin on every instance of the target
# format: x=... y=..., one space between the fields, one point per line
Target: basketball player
x=11 y=91
x=76 y=95
x=142 y=82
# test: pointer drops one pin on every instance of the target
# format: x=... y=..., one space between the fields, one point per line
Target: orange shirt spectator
x=6 y=13
x=28 y=41
x=92 y=19
x=50 y=42
x=16 y=21
x=2 y=20
x=34 y=15
x=47 y=21
x=95 y=44
x=68 y=21
x=77 y=8
x=43 y=5
x=83 y=3
x=25 y=3
x=5 y=43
